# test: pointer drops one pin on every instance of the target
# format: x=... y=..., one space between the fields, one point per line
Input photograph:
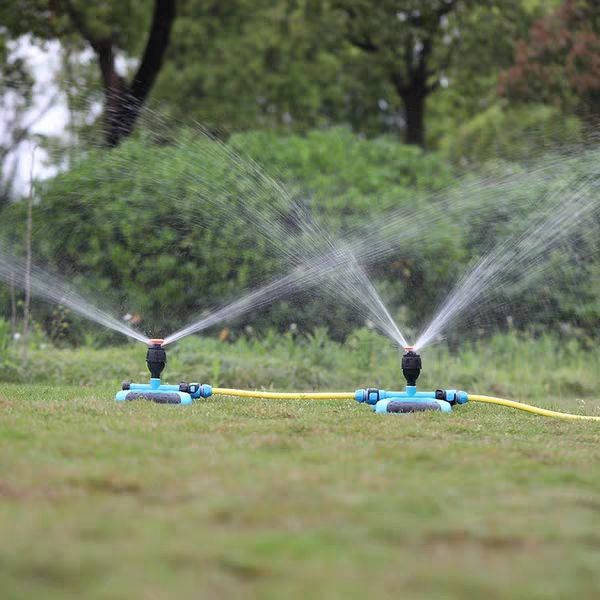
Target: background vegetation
x=359 y=108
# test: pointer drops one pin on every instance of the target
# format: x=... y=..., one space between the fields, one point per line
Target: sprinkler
x=382 y=401
x=162 y=393
x=410 y=400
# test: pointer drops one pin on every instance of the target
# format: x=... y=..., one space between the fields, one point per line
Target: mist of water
x=328 y=264
x=338 y=270
x=293 y=232
x=54 y=289
x=521 y=256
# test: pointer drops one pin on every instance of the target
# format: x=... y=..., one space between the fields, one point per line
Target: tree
x=123 y=100
x=113 y=28
x=246 y=64
x=412 y=43
x=559 y=62
x=16 y=104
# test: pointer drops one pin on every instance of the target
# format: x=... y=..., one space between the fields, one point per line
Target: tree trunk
x=115 y=93
x=123 y=100
x=414 y=115
x=413 y=91
x=28 y=265
x=137 y=92
x=13 y=305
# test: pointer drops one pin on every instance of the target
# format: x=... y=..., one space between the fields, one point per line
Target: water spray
x=162 y=393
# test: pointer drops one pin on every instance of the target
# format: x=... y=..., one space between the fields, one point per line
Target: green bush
x=166 y=228
x=349 y=179
x=511 y=133
x=8 y=365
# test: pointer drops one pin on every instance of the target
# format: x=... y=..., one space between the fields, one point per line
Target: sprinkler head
x=156 y=358
x=411 y=366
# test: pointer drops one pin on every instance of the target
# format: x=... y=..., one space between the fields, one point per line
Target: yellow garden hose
x=544 y=412
x=351 y=395
x=284 y=395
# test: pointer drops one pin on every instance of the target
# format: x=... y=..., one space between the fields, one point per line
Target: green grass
x=272 y=499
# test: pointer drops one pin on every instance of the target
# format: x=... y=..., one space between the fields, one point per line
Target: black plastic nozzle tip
x=411 y=367
x=156 y=359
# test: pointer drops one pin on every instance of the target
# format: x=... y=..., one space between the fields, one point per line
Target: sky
x=44 y=64
x=49 y=110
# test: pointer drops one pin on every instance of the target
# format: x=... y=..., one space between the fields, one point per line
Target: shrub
x=513 y=133
x=168 y=230
x=164 y=229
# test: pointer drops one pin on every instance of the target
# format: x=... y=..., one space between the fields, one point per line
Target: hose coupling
x=370 y=395
x=452 y=396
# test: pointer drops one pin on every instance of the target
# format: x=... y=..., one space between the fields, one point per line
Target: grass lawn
x=271 y=499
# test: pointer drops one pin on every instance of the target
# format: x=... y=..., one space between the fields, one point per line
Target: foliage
x=298 y=65
x=341 y=170
x=255 y=64
x=148 y=230
x=485 y=44
x=305 y=64
x=154 y=236
x=8 y=364
x=512 y=133
x=559 y=63
x=414 y=45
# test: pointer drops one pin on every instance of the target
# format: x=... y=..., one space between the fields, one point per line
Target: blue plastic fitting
x=372 y=396
x=163 y=393
x=444 y=398
x=456 y=396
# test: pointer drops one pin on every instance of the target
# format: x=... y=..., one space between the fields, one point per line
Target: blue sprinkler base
x=410 y=400
x=163 y=393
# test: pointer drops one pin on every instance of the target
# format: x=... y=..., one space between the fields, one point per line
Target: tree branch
x=156 y=46
x=364 y=42
x=124 y=100
x=102 y=47
x=81 y=26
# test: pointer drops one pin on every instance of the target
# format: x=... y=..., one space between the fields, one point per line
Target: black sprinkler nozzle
x=156 y=358
x=411 y=367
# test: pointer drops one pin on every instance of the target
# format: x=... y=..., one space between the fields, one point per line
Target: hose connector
x=156 y=358
x=452 y=396
x=370 y=395
x=196 y=390
x=411 y=366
